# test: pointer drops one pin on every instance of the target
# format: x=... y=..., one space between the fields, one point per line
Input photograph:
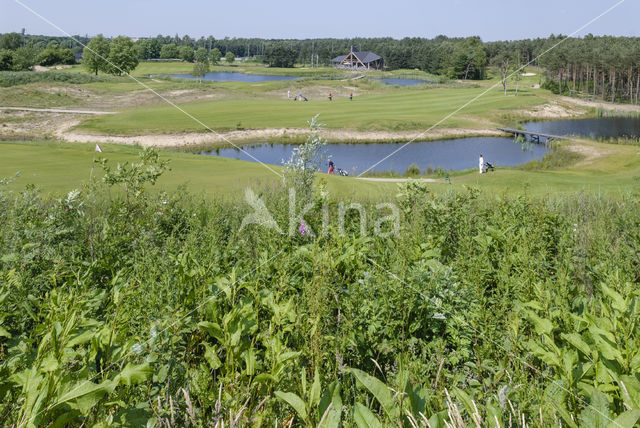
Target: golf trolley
x=488 y=167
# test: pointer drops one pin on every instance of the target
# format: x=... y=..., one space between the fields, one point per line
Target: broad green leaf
x=418 y=403
x=578 y=343
x=49 y=364
x=627 y=419
x=364 y=418
x=597 y=413
x=494 y=416
x=86 y=394
x=133 y=375
x=264 y=378
x=294 y=401
x=608 y=349
x=542 y=325
x=439 y=420
x=379 y=390
x=80 y=339
x=66 y=419
x=213 y=329
x=331 y=397
x=556 y=394
x=618 y=302
x=250 y=361
x=211 y=355
x=4 y=332
x=630 y=391
x=467 y=402
x=314 y=393
x=285 y=356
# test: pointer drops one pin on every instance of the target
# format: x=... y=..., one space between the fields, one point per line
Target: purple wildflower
x=302 y=228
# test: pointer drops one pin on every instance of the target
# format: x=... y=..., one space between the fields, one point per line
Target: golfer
x=481 y=163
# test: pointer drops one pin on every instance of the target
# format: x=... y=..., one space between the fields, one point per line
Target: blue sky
x=490 y=19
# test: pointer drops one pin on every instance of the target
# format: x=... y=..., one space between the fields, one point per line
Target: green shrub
x=412 y=170
x=13 y=78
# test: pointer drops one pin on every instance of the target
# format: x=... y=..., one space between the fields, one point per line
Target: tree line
x=454 y=57
x=602 y=67
x=607 y=68
x=21 y=52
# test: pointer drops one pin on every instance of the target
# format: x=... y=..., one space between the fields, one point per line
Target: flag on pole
x=98 y=149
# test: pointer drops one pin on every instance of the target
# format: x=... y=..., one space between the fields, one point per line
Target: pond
x=220 y=76
x=405 y=82
x=605 y=127
x=458 y=154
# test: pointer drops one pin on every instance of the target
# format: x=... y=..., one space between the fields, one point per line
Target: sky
x=299 y=19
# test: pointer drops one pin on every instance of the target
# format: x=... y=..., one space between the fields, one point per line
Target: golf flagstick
x=93 y=162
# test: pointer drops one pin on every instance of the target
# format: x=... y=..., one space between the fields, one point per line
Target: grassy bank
x=59 y=168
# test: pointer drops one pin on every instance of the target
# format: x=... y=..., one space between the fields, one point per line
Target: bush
x=412 y=170
x=13 y=78
x=24 y=58
x=6 y=60
x=51 y=56
x=557 y=157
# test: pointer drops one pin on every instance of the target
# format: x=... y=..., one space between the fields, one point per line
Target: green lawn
x=400 y=109
x=60 y=167
x=57 y=168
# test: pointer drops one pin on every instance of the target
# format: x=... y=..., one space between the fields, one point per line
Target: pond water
x=605 y=127
x=219 y=76
x=458 y=154
x=405 y=82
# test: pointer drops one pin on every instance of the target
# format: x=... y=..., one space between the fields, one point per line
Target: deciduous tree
x=214 y=55
x=123 y=56
x=95 y=54
x=169 y=51
x=187 y=53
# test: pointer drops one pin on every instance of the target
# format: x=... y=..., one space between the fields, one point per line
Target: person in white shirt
x=481 y=163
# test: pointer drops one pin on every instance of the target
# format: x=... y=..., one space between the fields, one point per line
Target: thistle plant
x=302 y=166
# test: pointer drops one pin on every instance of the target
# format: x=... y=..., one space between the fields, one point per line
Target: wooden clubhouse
x=359 y=60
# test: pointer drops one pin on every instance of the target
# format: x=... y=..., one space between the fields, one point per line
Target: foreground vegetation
x=127 y=308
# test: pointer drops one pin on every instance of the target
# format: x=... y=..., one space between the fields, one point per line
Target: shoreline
x=213 y=140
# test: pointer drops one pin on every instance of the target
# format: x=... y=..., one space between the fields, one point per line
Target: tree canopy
x=95 y=55
x=186 y=53
x=123 y=56
x=280 y=56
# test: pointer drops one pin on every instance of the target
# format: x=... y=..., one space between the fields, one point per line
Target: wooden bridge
x=533 y=136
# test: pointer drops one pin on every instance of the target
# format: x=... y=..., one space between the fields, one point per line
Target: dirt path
x=599 y=104
x=401 y=180
x=589 y=152
x=56 y=110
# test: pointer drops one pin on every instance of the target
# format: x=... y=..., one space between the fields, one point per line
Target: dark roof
x=364 y=56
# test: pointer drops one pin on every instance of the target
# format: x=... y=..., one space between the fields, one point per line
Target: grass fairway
x=401 y=109
x=57 y=168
